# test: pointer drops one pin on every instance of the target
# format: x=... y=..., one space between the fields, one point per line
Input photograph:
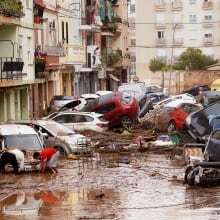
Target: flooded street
x=149 y=187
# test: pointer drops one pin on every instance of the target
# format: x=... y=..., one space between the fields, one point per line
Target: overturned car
x=203 y=162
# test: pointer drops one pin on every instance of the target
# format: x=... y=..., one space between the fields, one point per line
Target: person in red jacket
x=49 y=158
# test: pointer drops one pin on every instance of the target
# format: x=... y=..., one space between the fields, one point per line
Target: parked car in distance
x=195 y=89
x=184 y=97
x=153 y=88
x=198 y=123
x=103 y=92
x=58 y=136
x=59 y=101
x=74 y=105
x=156 y=97
x=81 y=121
x=24 y=138
x=174 y=114
x=89 y=96
x=211 y=97
x=116 y=108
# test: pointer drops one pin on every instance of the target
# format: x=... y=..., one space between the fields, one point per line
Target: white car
x=183 y=98
x=81 y=121
x=89 y=96
x=103 y=92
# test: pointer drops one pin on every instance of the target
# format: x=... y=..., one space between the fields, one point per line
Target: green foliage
x=157 y=65
x=193 y=59
x=11 y=8
x=114 y=57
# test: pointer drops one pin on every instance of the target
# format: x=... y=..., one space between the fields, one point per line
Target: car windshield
x=23 y=142
x=58 y=129
x=126 y=98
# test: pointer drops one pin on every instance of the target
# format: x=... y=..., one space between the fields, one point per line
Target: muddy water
x=149 y=187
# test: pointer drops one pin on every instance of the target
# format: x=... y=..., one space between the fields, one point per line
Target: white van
x=24 y=138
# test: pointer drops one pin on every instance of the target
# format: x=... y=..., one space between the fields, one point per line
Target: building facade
x=164 y=29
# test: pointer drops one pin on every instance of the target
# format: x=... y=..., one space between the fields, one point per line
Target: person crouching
x=13 y=157
x=48 y=158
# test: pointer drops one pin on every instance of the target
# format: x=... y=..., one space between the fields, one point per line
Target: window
x=63 y=34
x=67 y=33
x=160 y=34
x=208 y=17
x=208 y=35
x=192 y=18
x=105 y=108
x=132 y=9
x=133 y=42
x=64 y=119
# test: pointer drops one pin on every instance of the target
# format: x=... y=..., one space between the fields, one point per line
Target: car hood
x=73 y=139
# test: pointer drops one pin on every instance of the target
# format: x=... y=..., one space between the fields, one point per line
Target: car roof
x=89 y=96
x=15 y=129
x=94 y=114
x=176 y=103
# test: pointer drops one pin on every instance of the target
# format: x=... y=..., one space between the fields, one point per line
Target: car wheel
x=126 y=122
x=171 y=126
x=63 y=152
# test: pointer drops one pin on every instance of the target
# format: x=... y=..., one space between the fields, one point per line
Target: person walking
x=48 y=159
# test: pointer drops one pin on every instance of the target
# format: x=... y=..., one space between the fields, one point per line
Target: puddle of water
x=138 y=190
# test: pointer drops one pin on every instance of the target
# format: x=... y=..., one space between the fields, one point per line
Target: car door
x=47 y=138
x=179 y=115
x=67 y=120
x=83 y=122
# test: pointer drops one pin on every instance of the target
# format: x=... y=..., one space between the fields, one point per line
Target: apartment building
x=16 y=60
x=132 y=38
x=165 y=28
x=114 y=42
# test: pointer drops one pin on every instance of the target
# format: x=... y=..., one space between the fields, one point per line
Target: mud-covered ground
x=128 y=186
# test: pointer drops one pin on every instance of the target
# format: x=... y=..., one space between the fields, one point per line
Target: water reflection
x=84 y=203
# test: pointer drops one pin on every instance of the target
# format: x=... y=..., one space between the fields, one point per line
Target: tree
x=193 y=59
x=156 y=65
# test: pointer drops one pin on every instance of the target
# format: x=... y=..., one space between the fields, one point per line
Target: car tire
x=126 y=122
x=62 y=150
x=171 y=126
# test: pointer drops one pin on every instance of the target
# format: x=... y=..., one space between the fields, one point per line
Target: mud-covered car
x=199 y=124
x=174 y=114
x=59 y=136
x=23 y=138
x=203 y=161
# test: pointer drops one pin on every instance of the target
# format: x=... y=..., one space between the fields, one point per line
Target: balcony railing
x=54 y=50
x=111 y=58
x=160 y=6
x=178 y=42
x=207 y=5
x=11 y=8
x=208 y=41
x=177 y=6
x=207 y=24
x=161 y=42
x=75 y=54
x=11 y=68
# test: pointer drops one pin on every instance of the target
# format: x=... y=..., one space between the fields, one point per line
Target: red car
x=174 y=115
x=117 y=108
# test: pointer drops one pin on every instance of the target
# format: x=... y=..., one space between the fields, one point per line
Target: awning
x=39 y=3
x=86 y=70
x=114 y=78
x=107 y=34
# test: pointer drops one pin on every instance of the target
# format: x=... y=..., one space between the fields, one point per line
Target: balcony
x=178 y=42
x=208 y=41
x=11 y=8
x=207 y=24
x=177 y=6
x=160 y=6
x=11 y=69
x=75 y=54
x=160 y=25
x=160 y=42
x=207 y=5
x=54 y=50
x=93 y=56
x=112 y=58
